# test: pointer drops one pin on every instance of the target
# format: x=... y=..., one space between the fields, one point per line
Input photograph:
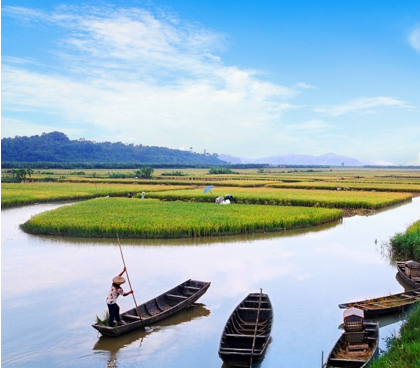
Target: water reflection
x=402 y=282
x=194 y=241
x=259 y=364
x=114 y=345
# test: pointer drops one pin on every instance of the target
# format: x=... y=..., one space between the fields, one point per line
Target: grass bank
x=405 y=349
x=135 y=218
x=13 y=195
x=290 y=197
x=407 y=245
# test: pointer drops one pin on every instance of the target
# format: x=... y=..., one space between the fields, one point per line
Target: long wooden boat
x=414 y=282
x=390 y=304
x=341 y=357
x=165 y=305
x=247 y=331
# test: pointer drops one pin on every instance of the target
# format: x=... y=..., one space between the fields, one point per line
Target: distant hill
x=57 y=147
x=329 y=159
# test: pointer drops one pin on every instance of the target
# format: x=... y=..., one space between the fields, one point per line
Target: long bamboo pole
x=128 y=278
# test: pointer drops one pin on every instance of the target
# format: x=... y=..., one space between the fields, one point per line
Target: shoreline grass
x=135 y=218
x=407 y=245
x=404 y=351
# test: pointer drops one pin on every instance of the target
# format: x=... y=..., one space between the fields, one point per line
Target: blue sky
x=242 y=77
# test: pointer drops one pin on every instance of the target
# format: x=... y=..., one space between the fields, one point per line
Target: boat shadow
x=114 y=344
x=258 y=364
x=403 y=283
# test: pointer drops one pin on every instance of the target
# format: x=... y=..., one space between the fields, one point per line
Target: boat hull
x=335 y=361
x=405 y=278
x=161 y=307
x=247 y=332
x=378 y=307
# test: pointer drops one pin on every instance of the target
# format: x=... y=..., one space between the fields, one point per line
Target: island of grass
x=148 y=218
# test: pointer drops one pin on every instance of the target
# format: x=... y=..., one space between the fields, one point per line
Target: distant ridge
x=57 y=147
x=329 y=159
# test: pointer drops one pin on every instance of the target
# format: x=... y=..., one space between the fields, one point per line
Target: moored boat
x=390 y=304
x=156 y=309
x=247 y=332
x=358 y=345
x=410 y=273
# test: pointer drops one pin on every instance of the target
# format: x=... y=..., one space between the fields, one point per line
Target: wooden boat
x=247 y=331
x=358 y=345
x=165 y=305
x=390 y=304
x=411 y=280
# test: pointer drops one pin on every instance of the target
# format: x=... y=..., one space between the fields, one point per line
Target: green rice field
x=290 y=197
x=136 y=218
x=365 y=186
x=29 y=193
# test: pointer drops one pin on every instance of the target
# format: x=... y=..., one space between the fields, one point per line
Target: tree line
x=57 y=147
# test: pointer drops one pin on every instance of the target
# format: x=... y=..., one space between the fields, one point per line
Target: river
x=52 y=288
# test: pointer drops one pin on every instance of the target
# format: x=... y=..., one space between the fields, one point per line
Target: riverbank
x=407 y=245
x=405 y=349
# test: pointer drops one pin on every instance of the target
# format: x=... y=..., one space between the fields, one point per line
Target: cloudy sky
x=246 y=78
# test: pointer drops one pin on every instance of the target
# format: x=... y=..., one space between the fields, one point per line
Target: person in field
x=111 y=300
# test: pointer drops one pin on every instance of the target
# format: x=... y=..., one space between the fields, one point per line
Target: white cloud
x=303 y=85
x=311 y=125
x=146 y=78
x=11 y=127
x=414 y=38
x=363 y=105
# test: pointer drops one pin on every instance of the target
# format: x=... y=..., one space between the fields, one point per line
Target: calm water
x=52 y=288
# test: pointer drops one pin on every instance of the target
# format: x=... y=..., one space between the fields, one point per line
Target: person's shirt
x=114 y=294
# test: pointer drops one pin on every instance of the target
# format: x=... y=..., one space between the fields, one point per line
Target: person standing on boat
x=111 y=300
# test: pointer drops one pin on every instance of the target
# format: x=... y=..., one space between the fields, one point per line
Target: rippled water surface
x=52 y=288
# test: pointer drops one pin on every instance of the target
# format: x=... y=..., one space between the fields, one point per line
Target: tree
x=145 y=172
x=20 y=174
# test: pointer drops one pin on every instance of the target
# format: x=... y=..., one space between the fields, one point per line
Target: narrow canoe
x=390 y=304
x=163 y=306
x=247 y=331
x=340 y=357
x=414 y=283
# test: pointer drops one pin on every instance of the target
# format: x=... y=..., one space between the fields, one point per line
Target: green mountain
x=57 y=147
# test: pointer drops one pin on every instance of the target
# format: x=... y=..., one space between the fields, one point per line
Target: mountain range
x=329 y=159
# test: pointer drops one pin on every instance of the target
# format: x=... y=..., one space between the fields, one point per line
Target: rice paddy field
x=290 y=197
x=135 y=218
x=343 y=185
x=28 y=193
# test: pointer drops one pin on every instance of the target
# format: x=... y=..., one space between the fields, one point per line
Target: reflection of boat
x=163 y=306
x=410 y=273
x=113 y=345
x=389 y=304
x=247 y=331
x=359 y=343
